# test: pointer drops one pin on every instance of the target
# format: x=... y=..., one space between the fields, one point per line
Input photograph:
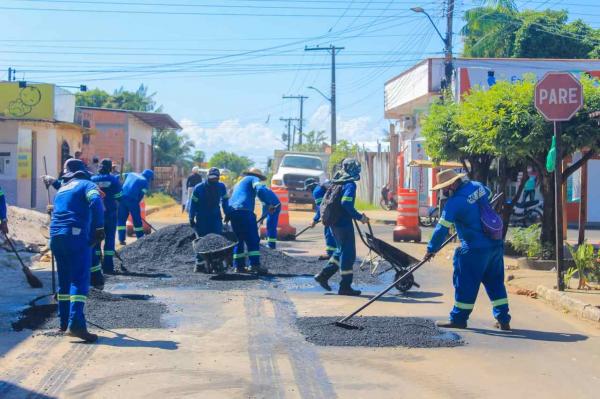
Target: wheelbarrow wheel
x=406 y=284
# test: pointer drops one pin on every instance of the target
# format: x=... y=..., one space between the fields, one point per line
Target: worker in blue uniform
x=135 y=186
x=77 y=224
x=204 y=212
x=243 y=219
x=479 y=259
x=3 y=213
x=270 y=211
x=343 y=231
x=318 y=192
x=110 y=185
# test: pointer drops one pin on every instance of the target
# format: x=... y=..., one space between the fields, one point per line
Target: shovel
x=342 y=322
x=51 y=253
x=310 y=226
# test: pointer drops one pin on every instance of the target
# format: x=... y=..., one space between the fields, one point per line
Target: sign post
x=558 y=97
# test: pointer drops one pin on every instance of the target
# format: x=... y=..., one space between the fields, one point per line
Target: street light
x=320 y=92
x=446 y=40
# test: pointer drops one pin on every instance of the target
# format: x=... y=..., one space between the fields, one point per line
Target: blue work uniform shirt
x=245 y=193
x=3 y=212
x=462 y=211
x=206 y=199
x=77 y=209
x=268 y=198
x=135 y=186
x=318 y=194
x=348 y=200
x=111 y=187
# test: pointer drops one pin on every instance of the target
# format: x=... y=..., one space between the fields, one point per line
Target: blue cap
x=148 y=174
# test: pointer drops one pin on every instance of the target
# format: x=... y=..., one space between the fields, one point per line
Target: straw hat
x=446 y=177
x=255 y=172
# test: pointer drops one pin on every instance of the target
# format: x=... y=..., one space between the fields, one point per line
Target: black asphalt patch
x=373 y=331
x=102 y=308
x=167 y=258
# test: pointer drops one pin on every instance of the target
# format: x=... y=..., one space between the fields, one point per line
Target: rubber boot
x=82 y=333
x=502 y=326
x=324 y=257
x=450 y=324
x=258 y=269
x=97 y=280
x=323 y=277
x=64 y=306
x=349 y=291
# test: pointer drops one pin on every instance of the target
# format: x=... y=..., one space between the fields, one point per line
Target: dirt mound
x=28 y=230
x=373 y=331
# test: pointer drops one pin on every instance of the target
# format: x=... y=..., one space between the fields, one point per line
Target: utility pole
x=448 y=43
x=333 y=50
x=289 y=121
x=11 y=74
x=301 y=98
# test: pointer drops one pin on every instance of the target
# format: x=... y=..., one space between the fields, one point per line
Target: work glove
x=99 y=235
x=49 y=209
x=4 y=226
x=192 y=224
x=48 y=180
x=227 y=219
x=272 y=209
x=428 y=256
x=364 y=219
x=314 y=223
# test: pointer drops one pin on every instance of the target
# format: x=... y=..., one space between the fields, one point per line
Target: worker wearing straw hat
x=479 y=259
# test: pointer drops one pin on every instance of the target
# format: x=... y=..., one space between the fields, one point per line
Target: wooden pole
x=583 y=203
x=558 y=208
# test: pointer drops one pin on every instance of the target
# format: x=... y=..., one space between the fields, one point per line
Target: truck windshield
x=302 y=162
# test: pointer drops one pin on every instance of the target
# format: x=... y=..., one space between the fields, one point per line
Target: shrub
x=526 y=241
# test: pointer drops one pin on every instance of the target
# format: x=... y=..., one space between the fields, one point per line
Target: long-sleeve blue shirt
x=206 y=198
x=268 y=198
x=348 y=200
x=111 y=186
x=135 y=186
x=77 y=209
x=318 y=194
x=3 y=212
x=245 y=193
x=462 y=211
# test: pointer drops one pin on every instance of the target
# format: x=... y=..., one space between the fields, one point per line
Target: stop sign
x=558 y=96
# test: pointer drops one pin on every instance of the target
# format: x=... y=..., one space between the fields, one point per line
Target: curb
x=563 y=301
x=384 y=222
x=154 y=209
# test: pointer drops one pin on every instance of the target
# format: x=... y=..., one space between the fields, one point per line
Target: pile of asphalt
x=167 y=258
x=103 y=309
x=211 y=243
x=374 y=331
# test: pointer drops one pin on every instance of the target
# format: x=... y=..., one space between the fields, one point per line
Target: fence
x=168 y=179
x=375 y=174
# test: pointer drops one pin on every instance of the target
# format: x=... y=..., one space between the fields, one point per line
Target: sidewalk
x=304 y=216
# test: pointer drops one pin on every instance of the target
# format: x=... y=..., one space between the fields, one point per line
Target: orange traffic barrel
x=407 y=223
x=285 y=231
x=129 y=224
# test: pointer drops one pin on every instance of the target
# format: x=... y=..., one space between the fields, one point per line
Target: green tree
x=500 y=30
x=502 y=124
x=199 y=156
x=138 y=100
x=313 y=142
x=343 y=149
x=172 y=148
x=228 y=160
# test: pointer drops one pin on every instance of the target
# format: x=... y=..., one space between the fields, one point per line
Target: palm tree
x=172 y=148
x=490 y=28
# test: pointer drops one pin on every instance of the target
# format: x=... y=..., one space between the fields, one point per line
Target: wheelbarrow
x=217 y=261
x=398 y=260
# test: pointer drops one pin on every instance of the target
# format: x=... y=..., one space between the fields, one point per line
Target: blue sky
x=220 y=67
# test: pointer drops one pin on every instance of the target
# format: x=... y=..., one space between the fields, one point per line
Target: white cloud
x=254 y=140
x=257 y=140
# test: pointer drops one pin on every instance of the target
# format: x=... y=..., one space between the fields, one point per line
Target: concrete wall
x=8 y=159
x=141 y=134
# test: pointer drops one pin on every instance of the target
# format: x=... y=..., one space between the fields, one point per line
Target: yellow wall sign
x=35 y=101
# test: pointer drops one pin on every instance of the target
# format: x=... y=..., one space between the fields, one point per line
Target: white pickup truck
x=293 y=170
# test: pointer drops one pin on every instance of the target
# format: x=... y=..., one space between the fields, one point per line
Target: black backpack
x=331 y=207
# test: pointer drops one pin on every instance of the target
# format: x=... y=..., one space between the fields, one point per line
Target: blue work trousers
x=345 y=253
x=330 y=244
x=106 y=263
x=127 y=207
x=73 y=262
x=272 y=221
x=208 y=223
x=473 y=267
x=244 y=226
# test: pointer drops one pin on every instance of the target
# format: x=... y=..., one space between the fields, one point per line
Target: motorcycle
x=388 y=199
x=432 y=217
x=526 y=213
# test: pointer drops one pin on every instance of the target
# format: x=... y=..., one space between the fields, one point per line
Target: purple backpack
x=491 y=222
